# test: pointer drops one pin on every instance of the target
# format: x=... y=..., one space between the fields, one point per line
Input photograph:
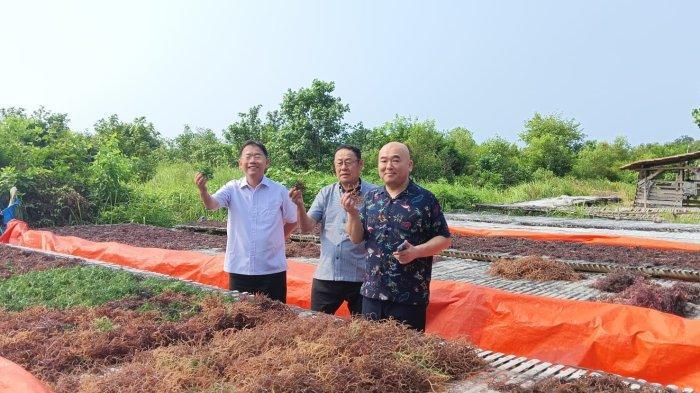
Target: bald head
x=395 y=164
x=397 y=147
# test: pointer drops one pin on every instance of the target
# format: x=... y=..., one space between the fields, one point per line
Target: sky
x=619 y=68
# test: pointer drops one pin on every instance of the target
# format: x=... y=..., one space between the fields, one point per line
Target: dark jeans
x=327 y=296
x=272 y=285
x=411 y=315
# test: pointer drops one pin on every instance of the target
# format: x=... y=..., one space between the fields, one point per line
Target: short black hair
x=259 y=145
x=352 y=148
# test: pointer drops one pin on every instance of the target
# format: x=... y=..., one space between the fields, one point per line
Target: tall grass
x=171 y=197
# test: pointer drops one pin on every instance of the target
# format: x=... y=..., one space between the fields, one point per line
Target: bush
x=499 y=163
x=453 y=197
x=602 y=160
x=551 y=143
x=138 y=140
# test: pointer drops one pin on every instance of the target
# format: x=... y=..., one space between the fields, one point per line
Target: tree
x=434 y=155
x=249 y=126
x=137 y=140
x=358 y=136
x=202 y=147
x=47 y=162
x=310 y=125
x=461 y=141
x=601 y=160
x=110 y=173
x=681 y=145
x=696 y=116
x=551 y=143
x=499 y=163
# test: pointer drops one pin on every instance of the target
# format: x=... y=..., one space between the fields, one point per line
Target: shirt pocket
x=269 y=216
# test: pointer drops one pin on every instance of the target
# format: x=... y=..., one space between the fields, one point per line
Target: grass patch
x=104 y=324
x=88 y=286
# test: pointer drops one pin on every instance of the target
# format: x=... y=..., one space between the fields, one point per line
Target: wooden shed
x=668 y=181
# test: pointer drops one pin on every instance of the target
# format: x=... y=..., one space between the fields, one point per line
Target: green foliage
x=434 y=156
x=463 y=151
x=127 y=173
x=499 y=163
x=202 y=147
x=138 y=140
x=169 y=198
x=557 y=186
x=551 y=143
x=453 y=196
x=46 y=161
x=313 y=180
x=171 y=311
x=358 y=136
x=248 y=127
x=79 y=286
x=110 y=173
x=205 y=170
x=311 y=126
x=602 y=160
x=681 y=145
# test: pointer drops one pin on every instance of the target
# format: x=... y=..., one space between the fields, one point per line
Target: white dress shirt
x=255 y=227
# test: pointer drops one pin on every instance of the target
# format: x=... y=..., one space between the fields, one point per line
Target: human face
x=347 y=166
x=394 y=164
x=253 y=162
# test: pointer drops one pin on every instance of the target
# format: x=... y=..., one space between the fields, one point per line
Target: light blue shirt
x=341 y=259
x=255 y=226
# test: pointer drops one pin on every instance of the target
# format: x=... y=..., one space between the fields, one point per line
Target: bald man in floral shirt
x=403 y=227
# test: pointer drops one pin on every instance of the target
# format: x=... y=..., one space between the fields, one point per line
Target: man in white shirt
x=260 y=217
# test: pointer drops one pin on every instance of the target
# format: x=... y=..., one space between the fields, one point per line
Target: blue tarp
x=9 y=212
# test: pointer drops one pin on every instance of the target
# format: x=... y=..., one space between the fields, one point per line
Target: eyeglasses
x=339 y=164
x=256 y=157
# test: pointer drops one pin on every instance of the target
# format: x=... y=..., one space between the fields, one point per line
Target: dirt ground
x=222 y=224
x=148 y=236
x=15 y=262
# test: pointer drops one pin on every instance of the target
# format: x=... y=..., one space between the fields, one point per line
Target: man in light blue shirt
x=341 y=270
x=260 y=217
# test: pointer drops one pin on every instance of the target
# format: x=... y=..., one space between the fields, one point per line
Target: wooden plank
x=550 y=371
x=537 y=369
x=502 y=360
x=578 y=374
x=649 y=177
x=510 y=364
x=525 y=366
x=493 y=356
x=566 y=372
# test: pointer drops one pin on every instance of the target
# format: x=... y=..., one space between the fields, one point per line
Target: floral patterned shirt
x=414 y=215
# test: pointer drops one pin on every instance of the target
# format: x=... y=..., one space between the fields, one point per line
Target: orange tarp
x=15 y=379
x=620 y=339
x=590 y=238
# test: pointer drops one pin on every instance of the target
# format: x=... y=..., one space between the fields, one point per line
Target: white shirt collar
x=242 y=183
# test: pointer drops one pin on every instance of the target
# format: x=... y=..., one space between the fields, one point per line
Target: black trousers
x=327 y=296
x=272 y=285
x=411 y=315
